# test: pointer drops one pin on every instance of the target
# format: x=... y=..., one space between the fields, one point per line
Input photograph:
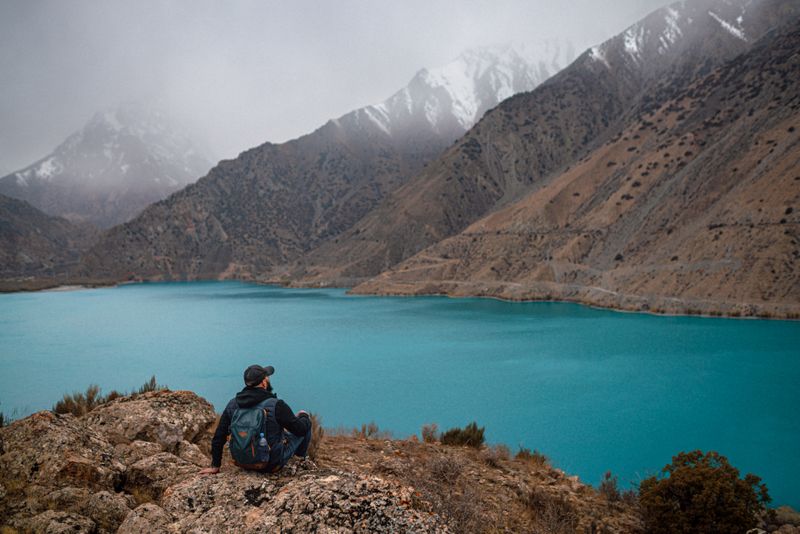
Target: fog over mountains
x=276 y=201
x=122 y=160
x=451 y=98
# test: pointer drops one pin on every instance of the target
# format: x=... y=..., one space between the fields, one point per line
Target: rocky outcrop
x=166 y=420
x=60 y=473
x=320 y=500
x=57 y=461
x=132 y=465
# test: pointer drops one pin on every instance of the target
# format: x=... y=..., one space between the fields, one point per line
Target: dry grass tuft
x=79 y=404
x=317 y=435
x=534 y=457
x=430 y=433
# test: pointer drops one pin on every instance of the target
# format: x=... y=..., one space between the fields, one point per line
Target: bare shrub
x=430 y=433
x=609 y=488
x=450 y=496
x=317 y=435
x=552 y=514
x=371 y=431
x=340 y=430
x=535 y=457
x=502 y=451
x=492 y=456
x=445 y=470
x=80 y=403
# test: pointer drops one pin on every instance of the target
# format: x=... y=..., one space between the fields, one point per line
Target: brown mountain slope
x=518 y=145
x=33 y=244
x=263 y=208
x=691 y=207
x=275 y=202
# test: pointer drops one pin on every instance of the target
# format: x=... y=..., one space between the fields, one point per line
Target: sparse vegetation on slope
x=81 y=403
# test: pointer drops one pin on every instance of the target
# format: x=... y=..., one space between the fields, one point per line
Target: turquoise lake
x=594 y=390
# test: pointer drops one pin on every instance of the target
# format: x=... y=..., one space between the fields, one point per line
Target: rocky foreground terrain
x=131 y=465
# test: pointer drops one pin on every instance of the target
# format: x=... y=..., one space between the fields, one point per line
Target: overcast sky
x=245 y=72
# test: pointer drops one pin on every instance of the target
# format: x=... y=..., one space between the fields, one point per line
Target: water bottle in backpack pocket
x=263 y=449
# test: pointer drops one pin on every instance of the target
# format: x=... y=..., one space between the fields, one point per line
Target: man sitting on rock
x=264 y=432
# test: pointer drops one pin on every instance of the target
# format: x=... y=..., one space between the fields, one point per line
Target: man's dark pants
x=295 y=445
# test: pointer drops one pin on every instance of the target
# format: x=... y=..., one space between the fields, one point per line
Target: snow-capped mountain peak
x=666 y=31
x=451 y=98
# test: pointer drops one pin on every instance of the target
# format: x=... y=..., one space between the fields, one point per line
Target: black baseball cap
x=254 y=374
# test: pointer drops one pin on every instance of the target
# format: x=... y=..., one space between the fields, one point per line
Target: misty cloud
x=247 y=72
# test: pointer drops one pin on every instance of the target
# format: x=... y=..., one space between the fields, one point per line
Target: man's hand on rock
x=209 y=471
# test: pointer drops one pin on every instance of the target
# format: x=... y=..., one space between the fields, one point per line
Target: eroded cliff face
x=132 y=465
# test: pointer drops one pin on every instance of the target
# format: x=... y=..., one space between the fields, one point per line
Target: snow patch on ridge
x=47 y=169
x=378 y=120
x=730 y=28
x=634 y=38
x=599 y=54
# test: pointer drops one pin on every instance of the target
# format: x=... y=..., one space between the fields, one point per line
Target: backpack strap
x=273 y=431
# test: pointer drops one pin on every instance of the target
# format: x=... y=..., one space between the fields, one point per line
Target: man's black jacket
x=250 y=396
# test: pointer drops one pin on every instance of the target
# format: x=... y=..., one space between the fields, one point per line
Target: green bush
x=701 y=493
x=470 y=435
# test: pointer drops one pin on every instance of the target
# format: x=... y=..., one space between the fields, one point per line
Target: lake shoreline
x=592 y=297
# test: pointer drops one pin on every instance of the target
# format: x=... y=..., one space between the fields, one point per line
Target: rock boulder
x=45 y=453
x=163 y=417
